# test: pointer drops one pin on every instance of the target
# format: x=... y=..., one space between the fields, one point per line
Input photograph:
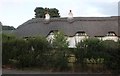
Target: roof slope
x=93 y=26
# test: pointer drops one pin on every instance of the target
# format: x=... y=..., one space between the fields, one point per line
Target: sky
x=16 y=12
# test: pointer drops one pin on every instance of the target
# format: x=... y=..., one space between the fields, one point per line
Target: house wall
x=75 y=39
x=114 y=38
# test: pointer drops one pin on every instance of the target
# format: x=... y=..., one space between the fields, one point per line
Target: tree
x=60 y=41
x=60 y=45
x=40 y=12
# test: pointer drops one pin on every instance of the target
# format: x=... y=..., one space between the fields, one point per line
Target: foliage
x=89 y=51
x=59 y=61
x=60 y=41
x=7 y=37
x=38 y=52
x=40 y=12
x=7 y=47
x=20 y=50
x=89 y=48
x=60 y=45
x=112 y=54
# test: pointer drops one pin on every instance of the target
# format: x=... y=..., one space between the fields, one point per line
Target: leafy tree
x=54 y=12
x=60 y=46
x=60 y=41
x=40 y=12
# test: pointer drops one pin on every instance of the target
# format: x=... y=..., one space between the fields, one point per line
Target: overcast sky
x=16 y=12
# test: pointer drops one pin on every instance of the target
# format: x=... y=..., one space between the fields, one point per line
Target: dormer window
x=50 y=36
x=81 y=33
x=52 y=32
x=111 y=34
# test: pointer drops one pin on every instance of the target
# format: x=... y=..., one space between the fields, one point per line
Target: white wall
x=75 y=39
x=71 y=41
x=114 y=38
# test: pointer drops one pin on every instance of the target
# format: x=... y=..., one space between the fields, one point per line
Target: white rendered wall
x=114 y=38
x=75 y=39
x=71 y=41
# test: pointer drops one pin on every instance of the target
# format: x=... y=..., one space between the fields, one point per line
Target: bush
x=112 y=53
x=38 y=52
x=94 y=49
x=7 y=48
x=35 y=52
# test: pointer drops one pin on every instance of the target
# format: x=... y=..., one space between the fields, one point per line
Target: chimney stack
x=70 y=15
x=47 y=16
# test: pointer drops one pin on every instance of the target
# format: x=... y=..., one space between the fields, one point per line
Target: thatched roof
x=92 y=26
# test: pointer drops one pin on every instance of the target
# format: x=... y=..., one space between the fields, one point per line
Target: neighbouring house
x=7 y=29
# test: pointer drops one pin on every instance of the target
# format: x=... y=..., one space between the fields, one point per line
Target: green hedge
x=38 y=52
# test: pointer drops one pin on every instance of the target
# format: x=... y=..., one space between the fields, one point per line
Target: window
x=111 y=33
x=81 y=33
x=50 y=36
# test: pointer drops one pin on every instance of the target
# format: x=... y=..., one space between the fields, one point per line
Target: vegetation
x=89 y=55
x=40 y=12
x=60 y=47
